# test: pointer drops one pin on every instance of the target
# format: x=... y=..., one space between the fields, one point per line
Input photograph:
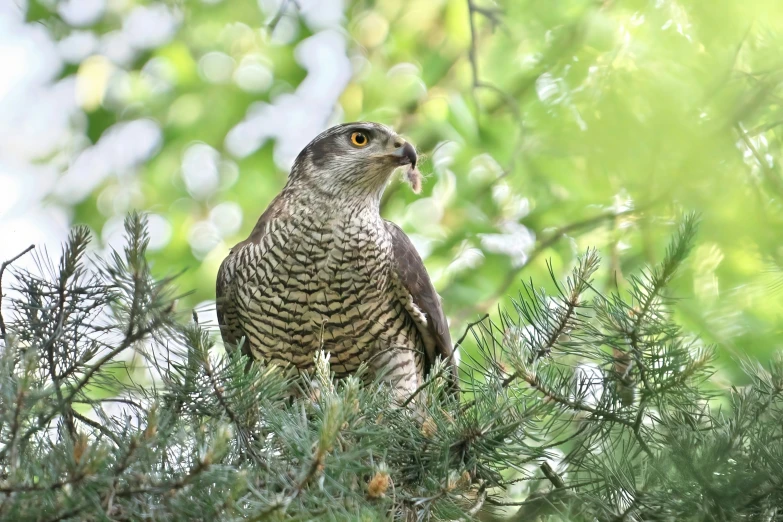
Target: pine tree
x=580 y=405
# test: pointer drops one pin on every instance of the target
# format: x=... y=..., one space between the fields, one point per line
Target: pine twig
x=5 y=265
x=448 y=359
x=481 y=498
x=242 y=431
x=551 y=475
x=106 y=432
x=553 y=238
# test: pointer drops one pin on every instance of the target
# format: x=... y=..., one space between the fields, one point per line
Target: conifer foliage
x=578 y=405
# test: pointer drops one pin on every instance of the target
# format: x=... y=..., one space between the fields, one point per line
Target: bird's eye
x=360 y=139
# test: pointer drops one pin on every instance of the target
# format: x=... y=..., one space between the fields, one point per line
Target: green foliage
x=584 y=406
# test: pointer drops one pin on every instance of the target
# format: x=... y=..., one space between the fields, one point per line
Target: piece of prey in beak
x=407 y=156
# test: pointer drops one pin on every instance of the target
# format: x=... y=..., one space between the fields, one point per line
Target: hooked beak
x=406 y=154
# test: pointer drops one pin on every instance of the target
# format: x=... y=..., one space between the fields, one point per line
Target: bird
x=323 y=271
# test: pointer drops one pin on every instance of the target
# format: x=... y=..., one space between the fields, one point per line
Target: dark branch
x=5 y=265
x=554 y=237
x=447 y=361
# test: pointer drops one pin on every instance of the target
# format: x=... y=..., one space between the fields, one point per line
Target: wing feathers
x=411 y=272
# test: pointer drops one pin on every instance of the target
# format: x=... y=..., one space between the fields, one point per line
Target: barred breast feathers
x=376 y=248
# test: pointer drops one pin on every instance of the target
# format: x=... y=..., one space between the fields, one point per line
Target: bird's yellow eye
x=359 y=139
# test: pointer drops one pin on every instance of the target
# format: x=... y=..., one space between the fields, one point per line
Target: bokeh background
x=547 y=128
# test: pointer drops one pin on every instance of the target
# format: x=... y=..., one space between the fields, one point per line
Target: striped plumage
x=323 y=270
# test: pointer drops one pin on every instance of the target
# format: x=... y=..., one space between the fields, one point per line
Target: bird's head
x=353 y=160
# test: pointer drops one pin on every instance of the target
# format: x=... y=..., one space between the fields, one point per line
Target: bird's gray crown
x=351 y=160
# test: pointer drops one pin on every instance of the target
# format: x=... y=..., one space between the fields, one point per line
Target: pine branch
x=69 y=263
x=564 y=321
x=539 y=390
x=449 y=360
x=3 y=266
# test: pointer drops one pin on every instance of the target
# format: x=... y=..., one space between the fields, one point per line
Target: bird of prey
x=322 y=270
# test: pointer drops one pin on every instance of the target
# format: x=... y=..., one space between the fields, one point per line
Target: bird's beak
x=406 y=154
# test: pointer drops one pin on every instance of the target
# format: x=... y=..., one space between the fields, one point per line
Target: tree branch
x=5 y=265
x=280 y=13
x=450 y=358
x=106 y=432
x=553 y=238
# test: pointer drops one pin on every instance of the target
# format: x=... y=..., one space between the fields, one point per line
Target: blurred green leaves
x=548 y=128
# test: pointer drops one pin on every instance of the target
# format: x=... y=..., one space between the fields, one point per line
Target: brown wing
x=227 y=312
x=411 y=272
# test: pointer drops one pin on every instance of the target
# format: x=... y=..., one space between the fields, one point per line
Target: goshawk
x=322 y=270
